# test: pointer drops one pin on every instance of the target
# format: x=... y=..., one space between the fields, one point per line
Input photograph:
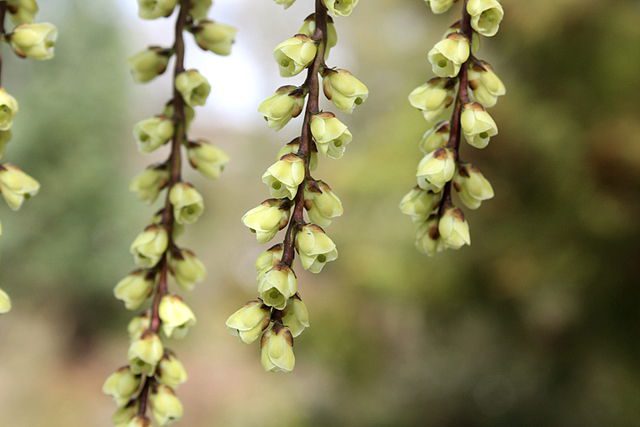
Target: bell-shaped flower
x=436 y=169
x=16 y=186
x=177 y=318
x=145 y=353
x=277 y=350
x=165 y=406
x=267 y=219
x=485 y=84
x=154 y=9
x=215 y=37
x=330 y=134
x=148 y=184
x=344 y=89
x=473 y=188
x=436 y=137
x=194 y=87
x=151 y=134
x=295 y=54
x=477 y=125
x=296 y=316
x=284 y=176
x=419 y=204
x=433 y=99
x=315 y=248
x=134 y=289
x=122 y=385
x=448 y=55
x=149 y=63
x=187 y=203
x=149 y=246
x=281 y=107
x=454 y=229
x=250 y=321
x=34 y=41
x=186 y=268
x=486 y=16
x=277 y=285
x=321 y=203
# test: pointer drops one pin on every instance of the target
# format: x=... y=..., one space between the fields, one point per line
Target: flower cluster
x=279 y=315
x=27 y=40
x=454 y=104
x=153 y=371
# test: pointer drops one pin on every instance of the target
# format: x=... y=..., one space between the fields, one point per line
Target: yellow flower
x=436 y=169
x=149 y=64
x=193 y=87
x=343 y=89
x=187 y=203
x=281 y=107
x=277 y=350
x=215 y=37
x=448 y=55
x=266 y=219
x=477 y=125
x=16 y=186
x=277 y=285
x=284 y=176
x=249 y=322
x=315 y=248
x=295 y=54
x=330 y=134
x=177 y=318
x=35 y=41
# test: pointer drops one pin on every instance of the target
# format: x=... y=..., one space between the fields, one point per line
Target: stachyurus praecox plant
x=279 y=315
x=32 y=41
x=148 y=381
x=454 y=104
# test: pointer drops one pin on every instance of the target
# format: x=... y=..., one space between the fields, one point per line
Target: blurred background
x=536 y=324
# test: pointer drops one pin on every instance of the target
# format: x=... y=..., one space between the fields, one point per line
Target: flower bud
x=343 y=89
x=165 y=406
x=485 y=85
x=125 y=416
x=309 y=28
x=277 y=350
x=436 y=169
x=187 y=203
x=176 y=316
x=473 y=188
x=486 y=16
x=321 y=203
x=281 y=107
x=284 y=176
x=5 y=137
x=16 y=186
x=149 y=246
x=5 y=302
x=121 y=385
x=269 y=259
x=148 y=184
x=138 y=325
x=154 y=9
x=286 y=3
x=448 y=55
x=208 y=159
x=145 y=353
x=249 y=322
x=296 y=316
x=428 y=238
x=293 y=147
x=454 y=229
x=149 y=64
x=295 y=54
x=193 y=87
x=330 y=134
x=8 y=109
x=435 y=138
x=315 y=248
x=340 y=7
x=186 y=268
x=477 y=125
x=215 y=37
x=35 y=41
x=277 y=285
x=134 y=289
x=266 y=219
x=419 y=204
x=456 y=28
x=433 y=98
x=22 y=11
x=150 y=134
x=200 y=8
x=171 y=371
x=440 y=6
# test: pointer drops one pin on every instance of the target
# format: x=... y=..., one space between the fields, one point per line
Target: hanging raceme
x=279 y=315
x=32 y=41
x=463 y=89
x=147 y=383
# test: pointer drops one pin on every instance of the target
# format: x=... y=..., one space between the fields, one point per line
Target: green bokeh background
x=536 y=324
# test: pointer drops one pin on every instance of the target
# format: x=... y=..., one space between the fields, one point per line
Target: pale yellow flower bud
x=16 y=186
x=433 y=99
x=200 y=8
x=35 y=41
x=454 y=229
x=249 y=322
x=193 y=87
x=177 y=318
x=419 y=204
x=149 y=246
x=475 y=39
x=436 y=137
x=281 y=107
x=154 y=9
x=344 y=89
x=477 y=125
x=149 y=63
x=150 y=134
x=308 y=28
x=187 y=269
x=126 y=415
x=428 y=238
x=148 y=184
x=485 y=85
x=121 y=385
x=187 y=203
x=208 y=159
x=340 y=7
x=448 y=55
x=486 y=16
x=5 y=137
x=215 y=37
x=296 y=316
x=293 y=147
x=134 y=289
x=165 y=406
x=266 y=219
x=321 y=203
x=269 y=259
x=138 y=325
x=171 y=371
x=315 y=248
x=8 y=110
x=284 y=176
x=286 y=3
x=145 y=353
x=330 y=134
x=277 y=350
x=436 y=169
x=473 y=188
x=5 y=302
x=277 y=285
x=295 y=54
x=440 y=6
x=22 y=11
